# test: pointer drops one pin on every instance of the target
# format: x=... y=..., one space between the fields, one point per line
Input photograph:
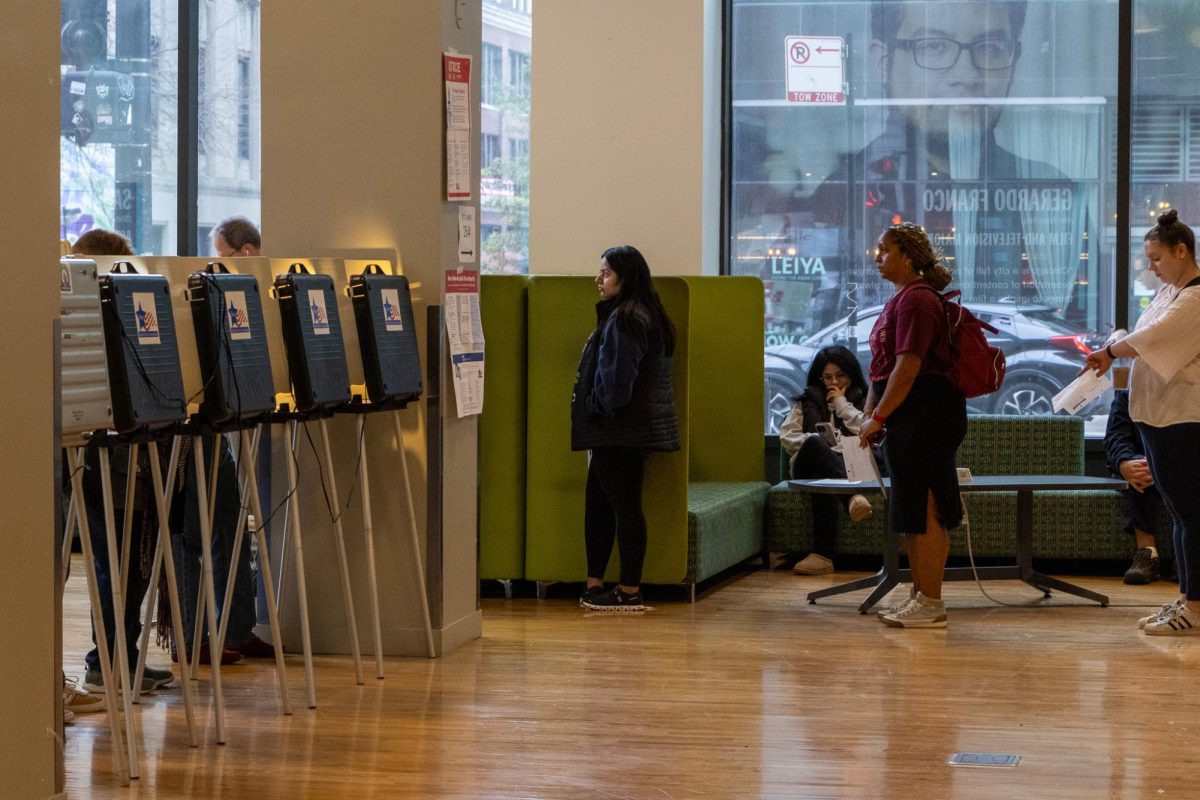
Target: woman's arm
x=850 y=416
x=899 y=384
x=791 y=433
x=617 y=365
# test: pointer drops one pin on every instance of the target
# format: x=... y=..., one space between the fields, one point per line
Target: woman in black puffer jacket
x=622 y=409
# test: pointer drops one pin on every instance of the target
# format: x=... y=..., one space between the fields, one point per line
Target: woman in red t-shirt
x=924 y=413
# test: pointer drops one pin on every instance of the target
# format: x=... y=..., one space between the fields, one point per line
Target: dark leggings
x=815 y=459
x=1172 y=454
x=613 y=511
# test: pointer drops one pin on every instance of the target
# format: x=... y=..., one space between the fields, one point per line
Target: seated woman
x=835 y=393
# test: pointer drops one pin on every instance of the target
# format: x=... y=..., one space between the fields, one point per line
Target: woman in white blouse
x=1164 y=402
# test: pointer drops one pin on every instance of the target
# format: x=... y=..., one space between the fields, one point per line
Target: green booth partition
x=502 y=299
x=561 y=316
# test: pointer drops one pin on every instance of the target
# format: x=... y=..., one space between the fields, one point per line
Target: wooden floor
x=749 y=693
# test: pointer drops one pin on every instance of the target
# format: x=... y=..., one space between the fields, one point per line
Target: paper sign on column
x=456 y=70
x=464 y=332
x=466 y=234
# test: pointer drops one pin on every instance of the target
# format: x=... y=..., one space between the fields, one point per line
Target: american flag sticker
x=238 y=315
x=391 y=311
x=145 y=315
x=318 y=312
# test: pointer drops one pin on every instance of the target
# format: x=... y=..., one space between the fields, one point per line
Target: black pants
x=613 y=511
x=1172 y=453
x=136 y=583
x=814 y=460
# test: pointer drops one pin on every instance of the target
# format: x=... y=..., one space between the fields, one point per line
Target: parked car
x=1043 y=354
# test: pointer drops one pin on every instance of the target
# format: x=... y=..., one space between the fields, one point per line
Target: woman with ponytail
x=622 y=409
x=1164 y=403
x=924 y=413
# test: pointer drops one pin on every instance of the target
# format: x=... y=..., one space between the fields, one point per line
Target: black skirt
x=921 y=446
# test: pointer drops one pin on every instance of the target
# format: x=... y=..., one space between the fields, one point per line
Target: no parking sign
x=816 y=71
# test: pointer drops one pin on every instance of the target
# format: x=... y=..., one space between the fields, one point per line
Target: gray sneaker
x=904 y=599
x=93 y=681
x=1167 y=608
x=921 y=612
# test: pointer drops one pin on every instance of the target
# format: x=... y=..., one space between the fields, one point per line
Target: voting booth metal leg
x=292 y=529
x=369 y=534
x=208 y=513
x=248 y=453
x=165 y=557
x=117 y=581
x=207 y=590
x=68 y=536
x=340 y=541
x=418 y=562
x=75 y=466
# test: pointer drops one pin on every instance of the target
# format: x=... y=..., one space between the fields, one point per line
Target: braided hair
x=1171 y=233
x=912 y=241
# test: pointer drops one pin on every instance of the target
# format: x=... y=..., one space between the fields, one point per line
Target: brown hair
x=912 y=241
x=239 y=232
x=1171 y=232
x=102 y=242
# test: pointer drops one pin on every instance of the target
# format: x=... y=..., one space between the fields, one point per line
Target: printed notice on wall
x=456 y=71
x=464 y=331
x=466 y=234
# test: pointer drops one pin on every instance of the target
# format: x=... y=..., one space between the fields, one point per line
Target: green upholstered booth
x=726 y=492
x=1081 y=524
x=502 y=429
x=704 y=504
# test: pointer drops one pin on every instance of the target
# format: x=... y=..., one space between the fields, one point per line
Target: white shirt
x=1164 y=384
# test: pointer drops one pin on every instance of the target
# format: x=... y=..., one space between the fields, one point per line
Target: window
x=518 y=72
x=120 y=139
x=504 y=140
x=118 y=132
x=243 y=95
x=1166 y=130
x=986 y=122
x=492 y=76
x=491 y=150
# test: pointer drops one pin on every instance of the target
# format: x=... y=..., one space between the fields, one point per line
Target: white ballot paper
x=1081 y=391
x=860 y=462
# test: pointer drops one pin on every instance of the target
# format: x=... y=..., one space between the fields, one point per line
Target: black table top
x=978 y=483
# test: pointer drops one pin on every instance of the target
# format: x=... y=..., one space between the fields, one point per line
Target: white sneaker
x=1179 y=621
x=860 y=508
x=1166 y=609
x=904 y=599
x=921 y=612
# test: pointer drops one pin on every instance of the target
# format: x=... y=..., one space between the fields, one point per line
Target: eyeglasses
x=837 y=376
x=939 y=53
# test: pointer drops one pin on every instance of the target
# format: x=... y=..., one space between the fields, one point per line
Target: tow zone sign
x=816 y=72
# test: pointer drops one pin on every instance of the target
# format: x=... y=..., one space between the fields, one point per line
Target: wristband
x=1108 y=350
x=878 y=418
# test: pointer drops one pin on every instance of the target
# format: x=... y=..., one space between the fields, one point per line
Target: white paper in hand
x=860 y=463
x=1080 y=392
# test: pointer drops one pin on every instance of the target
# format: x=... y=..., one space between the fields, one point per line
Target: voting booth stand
x=121 y=386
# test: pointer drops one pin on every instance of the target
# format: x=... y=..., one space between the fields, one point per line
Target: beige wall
x=352 y=166
x=29 y=658
x=625 y=134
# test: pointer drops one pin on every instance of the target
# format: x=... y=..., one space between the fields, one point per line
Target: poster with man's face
x=987 y=122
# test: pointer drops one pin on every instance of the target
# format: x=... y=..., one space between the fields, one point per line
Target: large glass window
x=120 y=142
x=118 y=131
x=504 y=179
x=1165 y=162
x=229 y=182
x=988 y=122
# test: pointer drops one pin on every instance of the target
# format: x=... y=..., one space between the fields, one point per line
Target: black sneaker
x=1144 y=568
x=614 y=600
x=591 y=593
